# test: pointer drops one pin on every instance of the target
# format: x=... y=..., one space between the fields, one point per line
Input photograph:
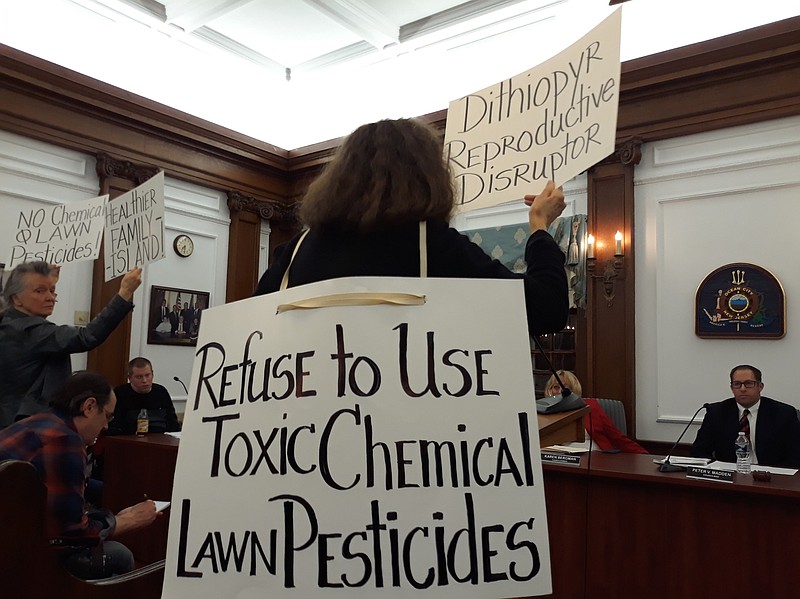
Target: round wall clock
x=183 y=246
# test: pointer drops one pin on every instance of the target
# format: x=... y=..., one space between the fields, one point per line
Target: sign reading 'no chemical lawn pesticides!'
x=551 y=122
x=361 y=450
x=130 y=227
x=59 y=234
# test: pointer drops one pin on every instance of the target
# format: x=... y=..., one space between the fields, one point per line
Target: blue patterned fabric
x=506 y=244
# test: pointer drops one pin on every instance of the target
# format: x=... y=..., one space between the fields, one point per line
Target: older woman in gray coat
x=34 y=352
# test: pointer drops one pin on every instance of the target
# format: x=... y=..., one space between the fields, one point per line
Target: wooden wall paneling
x=243 y=246
x=677 y=540
x=613 y=526
x=246 y=213
x=582 y=348
x=111 y=358
x=50 y=103
x=566 y=496
x=736 y=79
x=610 y=320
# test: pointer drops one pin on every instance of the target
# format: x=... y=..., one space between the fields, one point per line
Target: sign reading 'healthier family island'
x=130 y=228
x=134 y=232
x=551 y=122
x=361 y=450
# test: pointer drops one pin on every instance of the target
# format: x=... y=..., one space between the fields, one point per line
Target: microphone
x=568 y=400
x=666 y=466
x=175 y=378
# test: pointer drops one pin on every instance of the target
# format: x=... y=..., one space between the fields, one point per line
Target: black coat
x=777 y=434
x=158 y=404
x=330 y=255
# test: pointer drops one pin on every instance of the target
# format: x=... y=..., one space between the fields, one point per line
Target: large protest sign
x=362 y=451
x=551 y=122
x=134 y=232
x=59 y=234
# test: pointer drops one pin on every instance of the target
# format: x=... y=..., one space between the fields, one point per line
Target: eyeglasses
x=109 y=417
x=745 y=384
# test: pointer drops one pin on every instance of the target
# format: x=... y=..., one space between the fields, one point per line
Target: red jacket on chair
x=603 y=432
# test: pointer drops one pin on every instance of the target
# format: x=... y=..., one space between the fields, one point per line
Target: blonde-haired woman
x=601 y=434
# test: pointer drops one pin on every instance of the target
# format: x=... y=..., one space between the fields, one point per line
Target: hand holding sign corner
x=130 y=283
x=545 y=207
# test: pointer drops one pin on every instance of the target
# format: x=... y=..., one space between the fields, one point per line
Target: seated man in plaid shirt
x=55 y=443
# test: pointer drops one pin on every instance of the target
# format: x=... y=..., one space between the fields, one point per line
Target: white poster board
x=362 y=451
x=134 y=231
x=59 y=234
x=551 y=122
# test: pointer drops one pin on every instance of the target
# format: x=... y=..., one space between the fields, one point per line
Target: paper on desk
x=565 y=449
x=732 y=467
x=176 y=434
x=161 y=505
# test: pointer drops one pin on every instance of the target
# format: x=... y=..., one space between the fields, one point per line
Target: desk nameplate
x=554 y=457
x=722 y=476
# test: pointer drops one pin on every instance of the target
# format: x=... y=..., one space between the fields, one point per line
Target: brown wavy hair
x=387 y=173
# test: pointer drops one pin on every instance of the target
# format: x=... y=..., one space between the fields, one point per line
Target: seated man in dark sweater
x=141 y=392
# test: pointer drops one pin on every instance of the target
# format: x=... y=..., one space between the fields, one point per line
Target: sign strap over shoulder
x=423 y=249
x=360 y=298
x=285 y=279
x=423 y=254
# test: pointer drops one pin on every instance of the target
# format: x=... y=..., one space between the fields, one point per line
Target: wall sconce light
x=613 y=269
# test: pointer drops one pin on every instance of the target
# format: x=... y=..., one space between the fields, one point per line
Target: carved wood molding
x=745 y=77
x=737 y=79
x=275 y=212
x=108 y=167
x=44 y=101
x=628 y=153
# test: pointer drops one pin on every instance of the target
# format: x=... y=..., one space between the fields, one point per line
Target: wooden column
x=245 y=235
x=111 y=358
x=610 y=312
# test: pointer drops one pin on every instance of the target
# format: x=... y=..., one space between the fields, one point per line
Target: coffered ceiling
x=296 y=72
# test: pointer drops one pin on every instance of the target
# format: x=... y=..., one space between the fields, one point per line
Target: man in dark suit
x=174 y=318
x=188 y=315
x=161 y=313
x=773 y=426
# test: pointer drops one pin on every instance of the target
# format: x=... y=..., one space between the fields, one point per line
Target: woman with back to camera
x=600 y=430
x=365 y=211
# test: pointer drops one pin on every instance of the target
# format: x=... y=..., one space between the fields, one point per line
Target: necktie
x=744 y=423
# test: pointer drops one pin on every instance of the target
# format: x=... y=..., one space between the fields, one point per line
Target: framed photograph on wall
x=175 y=315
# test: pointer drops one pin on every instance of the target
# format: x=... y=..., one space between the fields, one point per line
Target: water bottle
x=742 y=454
x=143 y=423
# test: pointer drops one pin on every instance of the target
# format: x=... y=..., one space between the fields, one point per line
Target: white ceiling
x=297 y=72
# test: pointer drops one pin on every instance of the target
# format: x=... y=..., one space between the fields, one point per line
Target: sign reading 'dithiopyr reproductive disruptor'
x=361 y=451
x=134 y=231
x=551 y=122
